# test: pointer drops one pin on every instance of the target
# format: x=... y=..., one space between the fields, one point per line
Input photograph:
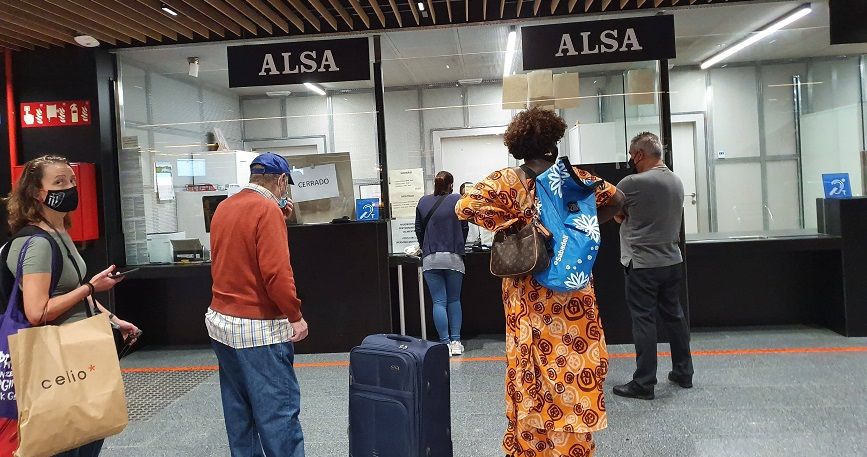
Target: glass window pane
x=739 y=197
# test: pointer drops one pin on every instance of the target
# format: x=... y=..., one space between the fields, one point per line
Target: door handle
x=693 y=196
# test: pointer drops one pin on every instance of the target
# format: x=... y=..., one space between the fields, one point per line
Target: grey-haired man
x=650 y=253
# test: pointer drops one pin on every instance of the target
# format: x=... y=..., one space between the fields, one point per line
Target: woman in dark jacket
x=442 y=238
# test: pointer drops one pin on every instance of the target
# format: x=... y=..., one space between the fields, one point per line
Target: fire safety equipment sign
x=55 y=114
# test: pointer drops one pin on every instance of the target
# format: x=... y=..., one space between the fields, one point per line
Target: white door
x=472 y=158
x=683 y=143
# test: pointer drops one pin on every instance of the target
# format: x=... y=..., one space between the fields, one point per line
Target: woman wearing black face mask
x=43 y=197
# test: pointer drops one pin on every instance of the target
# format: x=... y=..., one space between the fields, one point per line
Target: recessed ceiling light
x=278 y=93
x=421 y=6
x=168 y=10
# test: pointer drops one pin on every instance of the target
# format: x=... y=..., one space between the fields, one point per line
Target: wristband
x=90 y=288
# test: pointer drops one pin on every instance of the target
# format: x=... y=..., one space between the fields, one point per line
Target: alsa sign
x=55 y=114
x=299 y=62
x=596 y=42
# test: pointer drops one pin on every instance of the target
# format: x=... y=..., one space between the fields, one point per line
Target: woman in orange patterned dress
x=555 y=347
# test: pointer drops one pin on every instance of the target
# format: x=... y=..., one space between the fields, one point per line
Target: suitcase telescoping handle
x=405 y=339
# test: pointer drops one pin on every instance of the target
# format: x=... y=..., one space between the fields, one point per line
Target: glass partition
x=188 y=143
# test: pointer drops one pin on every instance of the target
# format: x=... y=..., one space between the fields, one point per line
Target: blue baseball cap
x=270 y=164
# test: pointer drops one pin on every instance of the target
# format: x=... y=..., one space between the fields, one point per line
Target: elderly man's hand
x=288 y=209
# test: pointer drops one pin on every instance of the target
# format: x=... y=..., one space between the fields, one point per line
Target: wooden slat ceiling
x=32 y=24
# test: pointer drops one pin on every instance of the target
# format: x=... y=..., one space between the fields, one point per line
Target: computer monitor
x=209 y=204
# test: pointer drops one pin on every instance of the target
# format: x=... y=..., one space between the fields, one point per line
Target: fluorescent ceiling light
x=314 y=88
x=421 y=6
x=758 y=35
x=168 y=10
x=510 y=53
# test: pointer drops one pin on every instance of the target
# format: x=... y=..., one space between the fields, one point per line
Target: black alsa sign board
x=277 y=64
x=596 y=42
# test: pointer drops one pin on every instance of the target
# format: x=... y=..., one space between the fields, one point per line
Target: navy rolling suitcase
x=399 y=398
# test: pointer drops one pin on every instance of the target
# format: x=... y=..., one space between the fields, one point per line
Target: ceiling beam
x=624 y=2
x=98 y=31
x=287 y=12
x=15 y=30
x=233 y=14
x=396 y=12
x=152 y=9
x=273 y=16
x=656 y=3
x=536 y=5
x=311 y=18
x=134 y=11
x=343 y=13
x=88 y=11
x=25 y=17
x=243 y=6
x=605 y=4
x=192 y=18
x=433 y=13
x=52 y=30
x=518 y=8
x=320 y=8
x=414 y=11
x=554 y=5
x=484 y=10
x=360 y=12
x=9 y=47
x=587 y=5
x=641 y=3
x=20 y=41
x=379 y=14
x=449 y=9
x=212 y=13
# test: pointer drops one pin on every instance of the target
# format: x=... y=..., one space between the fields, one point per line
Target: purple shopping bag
x=14 y=319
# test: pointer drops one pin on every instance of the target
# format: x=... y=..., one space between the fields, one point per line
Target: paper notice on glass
x=515 y=92
x=402 y=234
x=405 y=188
x=566 y=90
x=366 y=191
x=164 y=181
x=315 y=183
x=540 y=87
x=640 y=87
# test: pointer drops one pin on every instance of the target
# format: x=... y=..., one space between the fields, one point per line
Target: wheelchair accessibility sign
x=837 y=185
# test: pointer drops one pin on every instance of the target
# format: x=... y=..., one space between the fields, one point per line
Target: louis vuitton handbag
x=521 y=251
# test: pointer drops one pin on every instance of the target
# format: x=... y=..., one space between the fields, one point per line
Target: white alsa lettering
x=310 y=62
x=562 y=250
x=611 y=42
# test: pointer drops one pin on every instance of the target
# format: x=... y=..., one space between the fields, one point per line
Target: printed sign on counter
x=315 y=183
x=367 y=209
x=837 y=185
x=55 y=114
x=406 y=188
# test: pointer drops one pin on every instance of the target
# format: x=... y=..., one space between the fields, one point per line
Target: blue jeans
x=88 y=450
x=445 y=290
x=261 y=400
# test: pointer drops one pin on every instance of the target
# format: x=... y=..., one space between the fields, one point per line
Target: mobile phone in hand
x=118 y=274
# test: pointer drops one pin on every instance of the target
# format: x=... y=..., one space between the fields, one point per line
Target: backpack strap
x=7 y=277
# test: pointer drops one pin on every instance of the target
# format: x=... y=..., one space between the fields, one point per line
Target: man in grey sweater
x=650 y=254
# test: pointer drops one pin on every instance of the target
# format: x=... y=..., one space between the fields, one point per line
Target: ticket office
x=446 y=103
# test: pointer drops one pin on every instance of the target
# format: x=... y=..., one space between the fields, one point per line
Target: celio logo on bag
x=70 y=377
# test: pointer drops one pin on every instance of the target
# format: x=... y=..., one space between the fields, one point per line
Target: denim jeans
x=261 y=400
x=88 y=450
x=445 y=290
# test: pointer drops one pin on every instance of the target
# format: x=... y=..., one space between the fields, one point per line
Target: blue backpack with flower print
x=567 y=208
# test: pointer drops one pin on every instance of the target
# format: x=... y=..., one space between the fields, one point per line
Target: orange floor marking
x=707 y=353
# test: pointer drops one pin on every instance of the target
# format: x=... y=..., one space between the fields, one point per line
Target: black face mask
x=62 y=201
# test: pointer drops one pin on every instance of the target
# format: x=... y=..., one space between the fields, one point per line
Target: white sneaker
x=456 y=348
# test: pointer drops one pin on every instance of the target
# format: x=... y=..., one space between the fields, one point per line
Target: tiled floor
x=745 y=402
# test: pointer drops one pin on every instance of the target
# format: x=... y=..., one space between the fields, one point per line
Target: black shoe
x=682 y=381
x=633 y=390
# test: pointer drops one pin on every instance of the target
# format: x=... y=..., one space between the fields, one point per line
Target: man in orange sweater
x=255 y=315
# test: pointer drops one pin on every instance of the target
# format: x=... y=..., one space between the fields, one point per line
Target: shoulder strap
x=430 y=215
x=7 y=278
x=91 y=310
